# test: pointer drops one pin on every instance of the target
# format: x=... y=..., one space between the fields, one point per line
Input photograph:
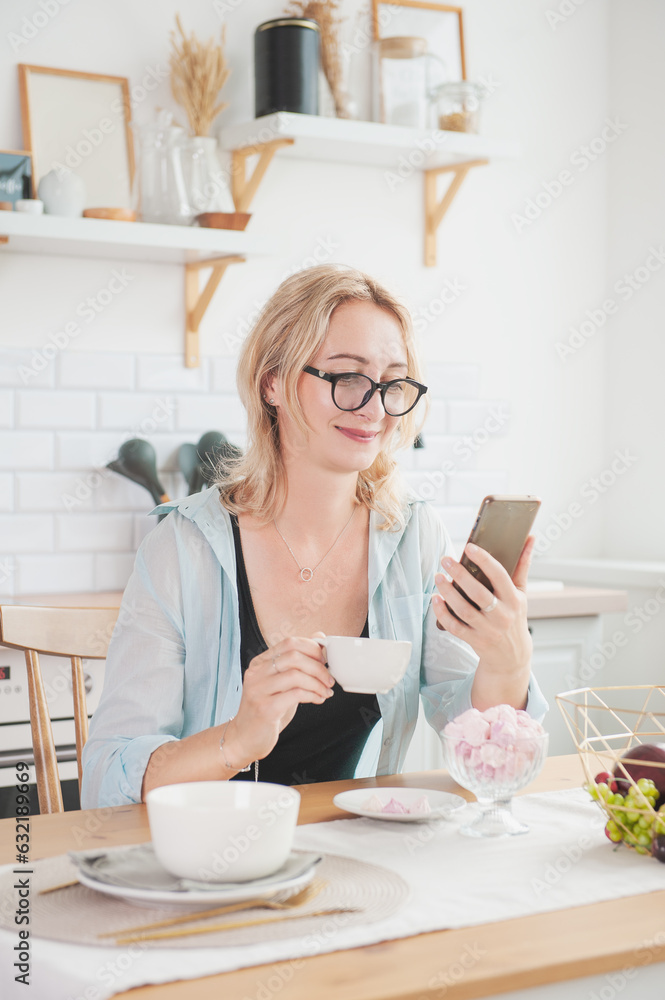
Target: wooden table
x=516 y=954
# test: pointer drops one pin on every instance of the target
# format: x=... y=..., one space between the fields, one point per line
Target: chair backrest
x=73 y=632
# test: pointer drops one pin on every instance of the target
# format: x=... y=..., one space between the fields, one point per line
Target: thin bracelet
x=230 y=766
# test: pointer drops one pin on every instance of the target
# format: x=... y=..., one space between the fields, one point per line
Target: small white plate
x=443 y=803
x=227 y=892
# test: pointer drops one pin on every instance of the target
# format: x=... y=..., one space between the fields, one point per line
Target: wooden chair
x=71 y=632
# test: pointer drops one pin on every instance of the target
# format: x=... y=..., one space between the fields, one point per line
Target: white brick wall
x=26 y=450
x=60 y=408
x=6 y=408
x=6 y=492
x=24 y=368
x=69 y=523
x=84 y=371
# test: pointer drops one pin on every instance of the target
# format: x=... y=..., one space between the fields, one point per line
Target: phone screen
x=501 y=528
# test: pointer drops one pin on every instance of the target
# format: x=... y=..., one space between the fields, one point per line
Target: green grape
x=613 y=832
x=644 y=839
x=632 y=817
x=642 y=850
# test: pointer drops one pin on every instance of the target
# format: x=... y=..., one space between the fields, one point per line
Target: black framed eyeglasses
x=351 y=391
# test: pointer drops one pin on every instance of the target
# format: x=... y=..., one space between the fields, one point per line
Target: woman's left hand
x=498 y=632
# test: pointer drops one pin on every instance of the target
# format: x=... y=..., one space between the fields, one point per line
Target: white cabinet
x=560 y=645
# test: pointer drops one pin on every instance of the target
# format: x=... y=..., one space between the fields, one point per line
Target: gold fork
x=230 y=925
x=298 y=899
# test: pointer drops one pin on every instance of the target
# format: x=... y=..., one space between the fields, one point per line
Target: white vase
x=63 y=193
x=207 y=182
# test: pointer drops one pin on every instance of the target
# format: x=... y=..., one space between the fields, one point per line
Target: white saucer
x=443 y=803
x=296 y=872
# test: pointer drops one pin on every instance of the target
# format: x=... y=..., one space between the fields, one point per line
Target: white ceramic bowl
x=222 y=831
x=31 y=206
x=366 y=666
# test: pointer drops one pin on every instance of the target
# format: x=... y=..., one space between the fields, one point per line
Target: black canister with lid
x=286 y=66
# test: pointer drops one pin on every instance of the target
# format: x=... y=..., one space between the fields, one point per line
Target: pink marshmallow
x=394 y=807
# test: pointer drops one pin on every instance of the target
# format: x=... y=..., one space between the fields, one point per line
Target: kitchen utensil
x=211 y=450
x=56 y=888
x=366 y=666
x=118 y=214
x=207 y=185
x=137 y=461
x=188 y=460
x=494 y=772
x=404 y=76
x=305 y=895
x=224 y=220
x=232 y=925
x=135 y=873
x=442 y=804
x=222 y=831
x=286 y=66
x=160 y=192
x=457 y=106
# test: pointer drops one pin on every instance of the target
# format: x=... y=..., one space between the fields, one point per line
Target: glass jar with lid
x=457 y=106
x=405 y=76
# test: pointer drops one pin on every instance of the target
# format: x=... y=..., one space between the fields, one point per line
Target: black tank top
x=322 y=742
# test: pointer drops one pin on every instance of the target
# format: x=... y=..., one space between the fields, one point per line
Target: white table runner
x=455 y=881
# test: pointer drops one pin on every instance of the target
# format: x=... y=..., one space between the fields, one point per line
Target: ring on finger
x=274 y=663
x=491 y=607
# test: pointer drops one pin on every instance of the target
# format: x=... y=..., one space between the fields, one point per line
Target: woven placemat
x=78 y=915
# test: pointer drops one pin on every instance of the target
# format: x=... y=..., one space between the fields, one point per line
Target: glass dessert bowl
x=494 y=754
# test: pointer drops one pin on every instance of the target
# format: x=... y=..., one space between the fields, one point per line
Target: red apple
x=638 y=763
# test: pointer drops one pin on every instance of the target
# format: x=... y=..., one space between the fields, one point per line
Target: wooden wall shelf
x=400 y=151
x=191 y=246
x=306 y=137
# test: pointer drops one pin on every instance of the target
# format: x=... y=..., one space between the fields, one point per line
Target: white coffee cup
x=366 y=666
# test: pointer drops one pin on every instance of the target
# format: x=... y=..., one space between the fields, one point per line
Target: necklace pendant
x=306 y=574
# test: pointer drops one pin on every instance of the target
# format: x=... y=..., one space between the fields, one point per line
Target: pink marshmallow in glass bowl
x=494 y=754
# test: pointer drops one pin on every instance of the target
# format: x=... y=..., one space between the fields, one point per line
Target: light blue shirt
x=173 y=665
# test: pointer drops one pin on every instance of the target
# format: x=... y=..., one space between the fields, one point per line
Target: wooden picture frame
x=15 y=175
x=449 y=41
x=79 y=121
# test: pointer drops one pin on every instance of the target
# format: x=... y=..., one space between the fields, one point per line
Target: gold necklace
x=306 y=572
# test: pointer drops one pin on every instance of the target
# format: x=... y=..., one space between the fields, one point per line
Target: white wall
x=635 y=342
x=524 y=289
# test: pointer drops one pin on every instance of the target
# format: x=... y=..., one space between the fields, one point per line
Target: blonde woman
x=213 y=671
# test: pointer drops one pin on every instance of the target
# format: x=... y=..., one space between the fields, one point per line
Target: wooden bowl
x=6 y=206
x=119 y=214
x=224 y=220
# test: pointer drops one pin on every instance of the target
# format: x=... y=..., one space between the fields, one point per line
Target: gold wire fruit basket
x=605 y=724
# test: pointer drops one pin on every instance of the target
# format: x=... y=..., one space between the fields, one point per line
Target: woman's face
x=363 y=338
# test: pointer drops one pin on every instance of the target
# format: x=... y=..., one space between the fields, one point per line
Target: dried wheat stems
x=198 y=73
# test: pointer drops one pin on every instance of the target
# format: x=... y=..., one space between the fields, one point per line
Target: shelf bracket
x=243 y=188
x=196 y=301
x=435 y=209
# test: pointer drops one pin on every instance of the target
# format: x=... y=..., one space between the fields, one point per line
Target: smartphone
x=501 y=528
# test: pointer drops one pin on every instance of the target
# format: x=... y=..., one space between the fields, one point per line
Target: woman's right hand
x=275 y=683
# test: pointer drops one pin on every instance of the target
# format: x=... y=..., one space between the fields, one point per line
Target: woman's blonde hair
x=288 y=334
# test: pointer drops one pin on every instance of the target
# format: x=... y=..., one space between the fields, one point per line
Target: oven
x=15 y=737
